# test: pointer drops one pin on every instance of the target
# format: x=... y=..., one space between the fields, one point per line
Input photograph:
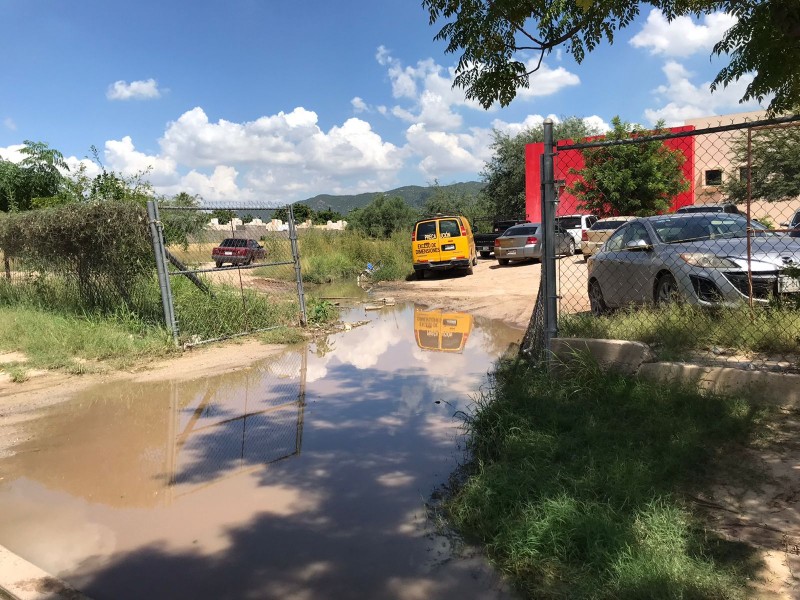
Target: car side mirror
x=638 y=245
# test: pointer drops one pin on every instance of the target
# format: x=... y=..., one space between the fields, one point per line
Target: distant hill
x=415 y=195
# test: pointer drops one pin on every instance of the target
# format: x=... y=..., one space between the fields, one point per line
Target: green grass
x=77 y=344
x=576 y=485
x=328 y=256
x=675 y=329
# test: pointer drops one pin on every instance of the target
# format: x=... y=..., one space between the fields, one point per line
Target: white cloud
x=9 y=124
x=121 y=156
x=12 y=153
x=685 y=100
x=442 y=152
x=546 y=81
x=682 y=37
x=135 y=90
x=359 y=105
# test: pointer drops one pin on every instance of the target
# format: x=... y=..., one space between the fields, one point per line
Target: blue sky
x=271 y=101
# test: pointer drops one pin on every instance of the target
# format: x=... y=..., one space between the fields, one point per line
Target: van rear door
x=425 y=247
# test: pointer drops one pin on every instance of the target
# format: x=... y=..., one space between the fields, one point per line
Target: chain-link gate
x=223 y=277
x=713 y=275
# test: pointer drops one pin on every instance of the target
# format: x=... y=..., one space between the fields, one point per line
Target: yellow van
x=440 y=331
x=443 y=242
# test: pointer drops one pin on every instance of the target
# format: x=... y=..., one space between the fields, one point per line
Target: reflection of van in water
x=441 y=331
x=443 y=242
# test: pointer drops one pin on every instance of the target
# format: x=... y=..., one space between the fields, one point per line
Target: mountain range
x=415 y=195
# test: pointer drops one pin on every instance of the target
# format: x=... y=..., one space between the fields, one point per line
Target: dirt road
x=505 y=293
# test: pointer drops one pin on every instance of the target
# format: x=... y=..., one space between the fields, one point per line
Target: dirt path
x=494 y=292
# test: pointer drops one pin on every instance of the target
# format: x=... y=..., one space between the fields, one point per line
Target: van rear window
x=449 y=228
x=426 y=231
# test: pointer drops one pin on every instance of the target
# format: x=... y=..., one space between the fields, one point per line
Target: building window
x=743 y=173
x=714 y=177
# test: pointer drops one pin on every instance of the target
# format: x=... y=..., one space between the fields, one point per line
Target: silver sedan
x=524 y=242
x=699 y=258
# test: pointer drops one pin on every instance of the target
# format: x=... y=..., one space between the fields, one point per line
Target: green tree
x=774 y=165
x=302 y=212
x=323 y=216
x=629 y=179
x=35 y=180
x=447 y=201
x=494 y=38
x=223 y=217
x=504 y=174
x=381 y=217
x=180 y=224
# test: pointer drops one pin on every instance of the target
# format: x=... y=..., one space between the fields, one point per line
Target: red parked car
x=237 y=251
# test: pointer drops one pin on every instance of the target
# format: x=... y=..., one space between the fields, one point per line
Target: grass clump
x=71 y=342
x=677 y=328
x=575 y=485
x=328 y=256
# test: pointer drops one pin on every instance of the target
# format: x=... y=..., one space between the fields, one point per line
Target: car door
x=637 y=246
x=609 y=268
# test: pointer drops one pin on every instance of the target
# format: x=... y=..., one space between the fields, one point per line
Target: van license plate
x=449 y=247
x=788 y=284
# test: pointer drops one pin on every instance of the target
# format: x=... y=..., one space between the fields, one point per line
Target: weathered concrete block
x=620 y=355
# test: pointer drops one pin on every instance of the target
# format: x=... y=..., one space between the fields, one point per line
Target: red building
x=567 y=161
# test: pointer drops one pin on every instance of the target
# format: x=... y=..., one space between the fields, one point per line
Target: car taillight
x=497 y=243
x=585 y=236
x=531 y=240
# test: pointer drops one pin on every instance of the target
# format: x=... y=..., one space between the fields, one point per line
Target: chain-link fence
x=228 y=278
x=714 y=275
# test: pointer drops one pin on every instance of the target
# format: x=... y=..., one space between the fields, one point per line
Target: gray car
x=697 y=258
x=524 y=242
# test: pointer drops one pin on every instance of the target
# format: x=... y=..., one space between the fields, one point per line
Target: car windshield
x=569 y=222
x=234 y=243
x=607 y=225
x=703 y=227
x=521 y=230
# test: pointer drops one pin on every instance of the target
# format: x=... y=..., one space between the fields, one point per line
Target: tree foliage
x=449 y=201
x=637 y=179
x=381 y=217
x=774 y=165
x=39 y=175
x=321 y=217
x=504 y=174
x=494 y=37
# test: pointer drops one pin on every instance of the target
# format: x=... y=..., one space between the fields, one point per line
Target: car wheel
x=502 y=261
x=597 y=302
x=570 y=247
x=475 y=261
x=667 y=290
x=485 y=254
x=219 y=264
x=419 y=274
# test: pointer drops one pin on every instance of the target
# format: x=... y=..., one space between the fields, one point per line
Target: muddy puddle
x=302 y=476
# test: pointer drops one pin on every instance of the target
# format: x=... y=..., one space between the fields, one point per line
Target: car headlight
x=708 y=261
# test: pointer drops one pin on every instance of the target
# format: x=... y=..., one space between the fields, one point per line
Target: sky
x=273 y=101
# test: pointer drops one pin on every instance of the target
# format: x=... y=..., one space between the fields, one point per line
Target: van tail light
x=413 y=236
x=585 y=236
x=463 y=231
x=531 y=240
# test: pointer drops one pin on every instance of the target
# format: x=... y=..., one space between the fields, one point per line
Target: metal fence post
x=548 y=226
x=298 y=274
x=157 y=237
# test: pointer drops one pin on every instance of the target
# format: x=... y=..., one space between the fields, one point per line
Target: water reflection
x=319 y=456
x=441 y=331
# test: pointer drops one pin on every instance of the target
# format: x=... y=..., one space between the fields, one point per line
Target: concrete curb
x=636 y=358
x=21 y=580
